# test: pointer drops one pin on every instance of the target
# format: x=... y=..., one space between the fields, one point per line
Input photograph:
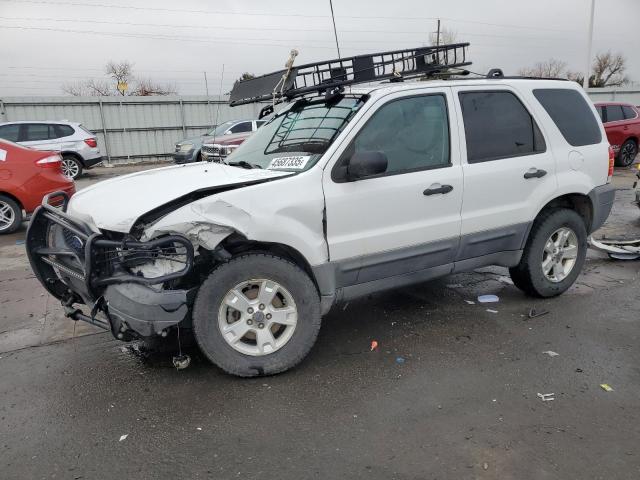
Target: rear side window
x=37 y=131
x=10 y=132
x=63 y=131
x=629 y=112
x=497 y=125
x=614 y=113
x=571 y=114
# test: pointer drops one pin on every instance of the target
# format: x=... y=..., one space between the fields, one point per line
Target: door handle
x=535 y=173
x=436 y=190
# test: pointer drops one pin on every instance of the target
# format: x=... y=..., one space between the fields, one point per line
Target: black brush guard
x=131 y=308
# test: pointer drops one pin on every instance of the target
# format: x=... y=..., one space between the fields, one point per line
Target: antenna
x=335 y=32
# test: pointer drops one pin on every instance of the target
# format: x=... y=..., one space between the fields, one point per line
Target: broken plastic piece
x=374 y=345
x=470 y=302
x=400 y=360
x=488 y=298
x=618 y=249
x=546 y=397
x=123 y=437
x=533 y=313
x=551 y=353
x=606 y=387
x=490 y=310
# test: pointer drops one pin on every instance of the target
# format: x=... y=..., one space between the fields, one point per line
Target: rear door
x=508 y=170
x=41 y=136
x=616 y=126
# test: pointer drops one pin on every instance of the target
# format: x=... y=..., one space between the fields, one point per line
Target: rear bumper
x=184 y=157
x=602 y=199
x=92 y=162
x=81 y=271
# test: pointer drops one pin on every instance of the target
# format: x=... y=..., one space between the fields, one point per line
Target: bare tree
x=446 y=36
x=551 y=68
x=121 y=72
x=607 y=71
x=146 y=87
x=89 y=88
x=118 y=72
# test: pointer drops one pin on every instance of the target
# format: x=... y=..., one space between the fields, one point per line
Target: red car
x=216 y=150
x=26 y=176
x=622 y=124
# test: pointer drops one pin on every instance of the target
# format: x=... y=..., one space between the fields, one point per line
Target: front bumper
x=77 y=265
x=184 y=157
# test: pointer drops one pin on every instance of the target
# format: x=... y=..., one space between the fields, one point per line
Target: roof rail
x=331 y=74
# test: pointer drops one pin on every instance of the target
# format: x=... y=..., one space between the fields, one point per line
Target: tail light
x=52 y=161
x=92 y=142
x=612 y=161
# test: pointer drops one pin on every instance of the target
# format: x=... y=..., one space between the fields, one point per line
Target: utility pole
x=335 y=32
x=587 y=67
x=438 y=35
x=206 y=84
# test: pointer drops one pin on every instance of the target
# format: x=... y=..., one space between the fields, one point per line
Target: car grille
x=74 y=242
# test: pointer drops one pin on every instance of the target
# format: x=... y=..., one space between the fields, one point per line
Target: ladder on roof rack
x=331 y=74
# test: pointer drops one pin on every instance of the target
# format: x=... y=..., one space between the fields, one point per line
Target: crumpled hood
x=117 y=203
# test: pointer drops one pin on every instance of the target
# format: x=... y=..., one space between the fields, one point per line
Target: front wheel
x=257 y=314
x=554 y=254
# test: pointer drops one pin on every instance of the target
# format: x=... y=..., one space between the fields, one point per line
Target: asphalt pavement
x=451 y=391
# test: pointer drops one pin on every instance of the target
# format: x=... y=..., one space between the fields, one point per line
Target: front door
x=406 y=219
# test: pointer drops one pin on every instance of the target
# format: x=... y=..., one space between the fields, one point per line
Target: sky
x=45 y=43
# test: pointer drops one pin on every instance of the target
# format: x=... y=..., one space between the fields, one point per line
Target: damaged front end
x=133 y=288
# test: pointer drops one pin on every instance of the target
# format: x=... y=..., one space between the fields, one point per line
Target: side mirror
x=366 y=164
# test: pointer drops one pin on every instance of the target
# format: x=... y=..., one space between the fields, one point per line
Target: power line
x=217 y=12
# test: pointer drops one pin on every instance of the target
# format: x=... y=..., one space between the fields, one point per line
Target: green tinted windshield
x=296 y=138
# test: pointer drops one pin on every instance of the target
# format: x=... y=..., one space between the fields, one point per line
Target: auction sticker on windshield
x=295 y=162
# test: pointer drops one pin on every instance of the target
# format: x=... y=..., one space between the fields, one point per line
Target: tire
x=627 y=154
x=211 y=315
x=71 y=167
x=10 y=215
x=199 y=157
x=529 y=276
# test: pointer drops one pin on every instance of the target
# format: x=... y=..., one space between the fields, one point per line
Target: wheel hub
x=257 y=317
x=560 y=254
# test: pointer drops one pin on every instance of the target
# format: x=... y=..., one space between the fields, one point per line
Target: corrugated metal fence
x=133 y=129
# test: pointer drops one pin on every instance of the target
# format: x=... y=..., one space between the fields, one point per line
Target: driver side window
x=412 y=132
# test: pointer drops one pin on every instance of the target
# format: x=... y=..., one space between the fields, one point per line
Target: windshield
x=220 y=129
x=295 y=138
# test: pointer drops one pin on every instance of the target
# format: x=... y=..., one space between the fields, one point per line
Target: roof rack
x=331 y=74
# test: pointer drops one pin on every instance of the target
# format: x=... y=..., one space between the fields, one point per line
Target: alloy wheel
x=257 y=317
x=560 y=254
x=7 y=216
x=628 y=153
x=70 y=168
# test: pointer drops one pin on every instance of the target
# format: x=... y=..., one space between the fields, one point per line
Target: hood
x=230 y=139
x=117 y=203
x=197 y=139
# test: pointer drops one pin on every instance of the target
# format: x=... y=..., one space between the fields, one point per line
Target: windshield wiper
x=244 y=164
x=307 y=147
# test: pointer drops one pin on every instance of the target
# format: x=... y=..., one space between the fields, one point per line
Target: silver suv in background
x=189 y=149
x=77 y=145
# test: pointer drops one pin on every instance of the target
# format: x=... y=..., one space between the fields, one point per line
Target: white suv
x=337 y=196
x=77 y=145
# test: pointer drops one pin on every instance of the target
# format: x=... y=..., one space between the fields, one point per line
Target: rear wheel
x=554 y=254
x=627 y=154
x=256 y=315
x=71 y=167
x=10 y=215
